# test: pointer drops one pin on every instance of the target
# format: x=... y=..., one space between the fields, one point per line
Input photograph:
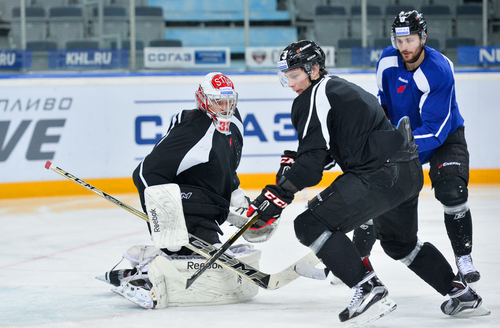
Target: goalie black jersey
x=194 y=155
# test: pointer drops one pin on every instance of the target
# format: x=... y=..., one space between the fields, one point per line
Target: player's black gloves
x=287 y=160
x=269 y=204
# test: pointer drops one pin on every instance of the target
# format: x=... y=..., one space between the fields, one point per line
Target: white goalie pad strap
x=166 y=217
x=140 y=255
x=216 y=286
x=261 y=235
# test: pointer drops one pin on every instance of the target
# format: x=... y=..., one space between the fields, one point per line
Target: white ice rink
x=52 y=248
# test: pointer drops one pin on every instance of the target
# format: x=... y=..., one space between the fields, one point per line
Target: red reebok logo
x=401 y=89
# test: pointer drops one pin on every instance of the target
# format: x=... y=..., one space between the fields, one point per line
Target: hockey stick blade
x=311 y=272
x=221 y=250
x=201 y=247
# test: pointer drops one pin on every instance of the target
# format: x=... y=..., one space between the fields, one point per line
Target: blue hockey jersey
x=426 y=96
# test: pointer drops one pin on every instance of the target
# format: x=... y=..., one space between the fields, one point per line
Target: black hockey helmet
x=407 y=23
x=302 y=54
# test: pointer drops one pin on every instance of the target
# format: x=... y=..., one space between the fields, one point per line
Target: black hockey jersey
x=338 y=119
x=201 y=160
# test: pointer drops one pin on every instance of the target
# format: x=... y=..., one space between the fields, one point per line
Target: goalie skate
x=369 y=303
x=138 y=292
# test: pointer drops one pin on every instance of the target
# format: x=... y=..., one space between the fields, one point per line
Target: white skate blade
x=308 y=271
x=477 y=312
x=375 y=312
x=146 y=304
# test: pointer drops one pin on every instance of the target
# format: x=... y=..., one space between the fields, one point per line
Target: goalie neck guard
x=217 y=98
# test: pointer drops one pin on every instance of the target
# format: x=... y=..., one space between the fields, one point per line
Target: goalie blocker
x=167 y=279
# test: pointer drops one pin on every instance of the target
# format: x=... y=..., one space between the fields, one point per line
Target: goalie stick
x=201 y=247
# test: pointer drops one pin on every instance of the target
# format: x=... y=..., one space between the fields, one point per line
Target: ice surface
x=52 y=249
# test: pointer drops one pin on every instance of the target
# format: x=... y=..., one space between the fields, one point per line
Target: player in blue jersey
x=417 y=81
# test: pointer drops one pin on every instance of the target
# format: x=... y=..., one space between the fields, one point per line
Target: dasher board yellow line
x=125 y=185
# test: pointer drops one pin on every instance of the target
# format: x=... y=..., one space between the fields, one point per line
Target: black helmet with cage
x=407 y=23
x=302 y=54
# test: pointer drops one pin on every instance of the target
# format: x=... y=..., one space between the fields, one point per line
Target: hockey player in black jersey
x=200 y=152
x=381 y=180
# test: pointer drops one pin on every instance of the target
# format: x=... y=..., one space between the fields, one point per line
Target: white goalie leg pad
x=166 y=216
x=214 y=287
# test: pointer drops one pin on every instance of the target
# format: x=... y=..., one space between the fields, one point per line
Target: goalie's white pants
x=215 y=286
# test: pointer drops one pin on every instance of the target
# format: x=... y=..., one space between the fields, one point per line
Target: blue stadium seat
x=233 y=37
x=219 y=11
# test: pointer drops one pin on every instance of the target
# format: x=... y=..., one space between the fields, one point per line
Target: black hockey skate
x=114 y=277
x=464 y=301
x=369 y=303
x=467 y=269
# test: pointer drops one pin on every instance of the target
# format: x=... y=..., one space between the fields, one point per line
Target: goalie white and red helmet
x=216 y=97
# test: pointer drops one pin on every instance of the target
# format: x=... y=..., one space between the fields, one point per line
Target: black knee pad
x=451 y=190
x=398 y=250
x=308 y=228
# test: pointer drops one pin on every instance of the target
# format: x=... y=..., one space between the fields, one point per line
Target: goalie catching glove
x=269 y=204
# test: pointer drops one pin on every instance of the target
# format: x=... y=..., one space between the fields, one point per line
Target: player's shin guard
x=364 y=238
x=432 y=267
x=459 y=228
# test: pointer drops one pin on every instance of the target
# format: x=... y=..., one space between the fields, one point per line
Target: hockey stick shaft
x=221 y=250
x=96 y=191
x=201 y=247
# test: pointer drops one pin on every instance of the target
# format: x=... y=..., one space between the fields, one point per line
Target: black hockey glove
x=287 y=160
x=269 y=204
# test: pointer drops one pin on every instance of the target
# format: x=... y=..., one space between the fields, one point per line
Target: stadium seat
x=66 y=24
x=343 y=53
x=234 y=38
x=82 y=45
x=115 y=22
x=165 y=43
x=469 y=22
x=41 y=45
x=374 y=25
x=382 y=42
x=6 y=7
x=330 y=25
x=452 y=45
x=139 y=45
x=439 y=22
x=149 y=24
x=36 y=25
